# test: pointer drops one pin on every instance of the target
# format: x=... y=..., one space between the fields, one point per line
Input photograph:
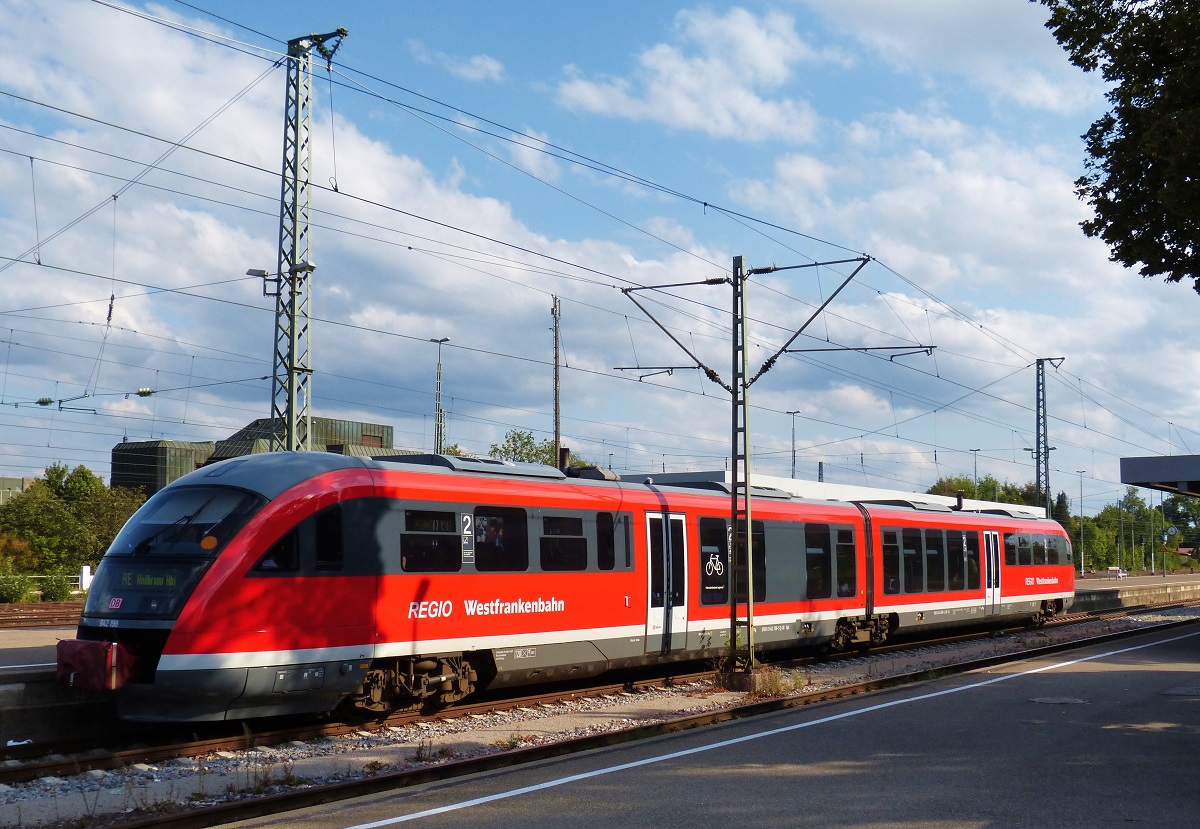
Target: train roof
x=273 y=473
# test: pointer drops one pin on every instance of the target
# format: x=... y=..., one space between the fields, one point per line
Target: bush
x=56 y=587
x=14 y=587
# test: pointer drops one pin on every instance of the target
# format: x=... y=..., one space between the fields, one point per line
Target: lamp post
x=975 y=480
x=1080 y=472
x=793 y=414
x=439 y=416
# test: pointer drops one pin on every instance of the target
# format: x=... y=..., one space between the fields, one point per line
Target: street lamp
x=793 y=414
x=1080 y=472
x=439 y=416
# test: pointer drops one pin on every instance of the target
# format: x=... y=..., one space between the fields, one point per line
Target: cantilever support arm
x=708 y=372
x=862 y=262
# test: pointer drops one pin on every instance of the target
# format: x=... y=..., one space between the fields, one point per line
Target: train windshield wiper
x=182 y=521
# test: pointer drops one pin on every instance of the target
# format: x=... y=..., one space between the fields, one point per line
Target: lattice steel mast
x=1041 y=451
x=291 y=392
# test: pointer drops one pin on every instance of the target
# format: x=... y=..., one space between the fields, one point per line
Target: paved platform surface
x=1103 y=738
x=31 y=648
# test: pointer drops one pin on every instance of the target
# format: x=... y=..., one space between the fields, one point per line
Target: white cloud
x=715 y=79
x=526 y=151
x=474 y=68
x=996 y=46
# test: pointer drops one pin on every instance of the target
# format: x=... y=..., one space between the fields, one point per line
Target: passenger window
x=606 y=541
x=501 y=539
x=563 y=546
x=760 y=563
x=1024 y=550
x=1039 y=549
x=846 y=564
x=1052 y=554
x=1010 y=549
x=430 y=543
x=282 y=557
x=329 y=539
x=891 y=562
x=714 y=561
x=914 y=562
x=972 y=539
x=935 y=560
x=818 y=561
x=955 y=561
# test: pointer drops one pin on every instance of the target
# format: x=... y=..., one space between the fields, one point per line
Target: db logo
x=115 y=603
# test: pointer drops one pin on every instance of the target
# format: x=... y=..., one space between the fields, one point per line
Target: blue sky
x=940 y=138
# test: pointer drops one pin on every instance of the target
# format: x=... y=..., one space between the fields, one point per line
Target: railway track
x=42 y=615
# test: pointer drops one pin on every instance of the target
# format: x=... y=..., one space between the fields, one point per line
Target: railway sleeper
x=413 y=682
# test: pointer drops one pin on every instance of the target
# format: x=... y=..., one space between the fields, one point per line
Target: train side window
x=562 y=545
x=329 y=539
x=1038 y=542
x=972 y=540
x=914 y=561
x=606 y=541
x=818 y=561
x=1052 y=554
x=501 y=539
x=1010 y=549
x=430 y=543
x=283 y=556
x=1024 y=549
x=891 y=562
x=955 y=560
x=759 y=543
x=846 y=571
x=714 y=561
x=935 y=560
x=627 y=525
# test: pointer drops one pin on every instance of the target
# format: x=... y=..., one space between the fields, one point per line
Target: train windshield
x=158 y=558
x=186 y=521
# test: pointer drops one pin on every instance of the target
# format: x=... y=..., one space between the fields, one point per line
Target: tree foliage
x=988 y=489
x=1142 y=176
x=520 y=446
x=63 y=521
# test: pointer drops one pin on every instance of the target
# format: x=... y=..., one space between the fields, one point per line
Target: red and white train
x=295 y=582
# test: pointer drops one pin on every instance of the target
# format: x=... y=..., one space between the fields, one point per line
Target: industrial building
x=151 y=465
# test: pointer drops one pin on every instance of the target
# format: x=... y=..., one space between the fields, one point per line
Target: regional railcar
x=297 y=582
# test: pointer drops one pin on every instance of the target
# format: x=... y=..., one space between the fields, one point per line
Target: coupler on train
x=409 y=684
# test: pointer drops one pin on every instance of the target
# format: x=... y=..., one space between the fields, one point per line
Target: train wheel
x=456 y=680
x=843 y=636
x=881 y=629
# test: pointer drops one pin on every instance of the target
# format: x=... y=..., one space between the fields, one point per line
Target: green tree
x=63 y=521
x=1140 y=170
x=952 y=486
x=1061 y=511
x=1183 y=511
x=520 y=446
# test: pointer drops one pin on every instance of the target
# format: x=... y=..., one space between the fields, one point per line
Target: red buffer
x=94 y=666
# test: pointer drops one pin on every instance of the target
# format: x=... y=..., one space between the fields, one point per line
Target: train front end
x=143 y=583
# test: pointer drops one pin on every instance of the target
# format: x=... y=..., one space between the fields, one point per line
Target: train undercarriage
x=413 y=683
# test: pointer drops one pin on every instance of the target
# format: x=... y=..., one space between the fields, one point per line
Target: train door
x=666 y=619
x=991 y=546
